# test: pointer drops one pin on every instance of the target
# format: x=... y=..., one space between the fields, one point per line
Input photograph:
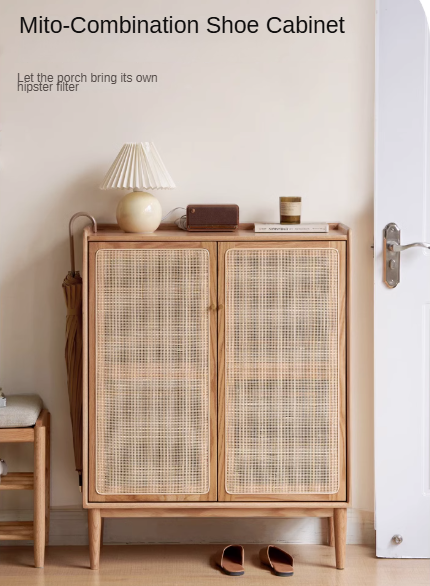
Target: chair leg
x=339 y=518
x=39 y=495
x=48 y=479
x=94 y=537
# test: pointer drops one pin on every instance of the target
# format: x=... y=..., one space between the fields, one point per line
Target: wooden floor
x=134 y=565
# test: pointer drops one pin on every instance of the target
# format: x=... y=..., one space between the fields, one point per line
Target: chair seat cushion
x=20 y=411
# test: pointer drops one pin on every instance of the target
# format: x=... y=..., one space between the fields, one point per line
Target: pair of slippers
x=231 y=560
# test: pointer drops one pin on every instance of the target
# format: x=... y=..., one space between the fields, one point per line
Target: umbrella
x=72 y=289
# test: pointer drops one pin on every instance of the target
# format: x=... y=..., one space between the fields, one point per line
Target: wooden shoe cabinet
x=216 y=376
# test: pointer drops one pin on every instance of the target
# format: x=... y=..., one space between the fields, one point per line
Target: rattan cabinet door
x=152 y=372
x=282 y=395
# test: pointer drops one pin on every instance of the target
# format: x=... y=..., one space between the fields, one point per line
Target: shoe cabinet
x=216 y=376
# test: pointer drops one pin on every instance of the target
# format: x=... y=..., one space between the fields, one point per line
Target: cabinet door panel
x=152 y=393
x=282 y=389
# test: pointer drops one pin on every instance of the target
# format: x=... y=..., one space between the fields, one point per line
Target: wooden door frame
x=343 y=493
x=93 y=496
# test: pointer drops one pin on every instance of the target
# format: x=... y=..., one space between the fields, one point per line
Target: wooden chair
x=38 y=481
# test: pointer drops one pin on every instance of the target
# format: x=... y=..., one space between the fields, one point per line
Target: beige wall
x=236 y=118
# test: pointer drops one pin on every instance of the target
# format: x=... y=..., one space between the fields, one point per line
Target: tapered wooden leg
x=330 y=532
x=39 y=495
x=339 y=521
x=94 y=537
x=102 y=532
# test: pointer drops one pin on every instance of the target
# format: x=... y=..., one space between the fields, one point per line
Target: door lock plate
x=391 y=258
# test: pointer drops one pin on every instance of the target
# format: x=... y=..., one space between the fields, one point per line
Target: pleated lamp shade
x=138 y=166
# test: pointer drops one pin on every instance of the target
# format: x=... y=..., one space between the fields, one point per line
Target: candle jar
x=291 y=209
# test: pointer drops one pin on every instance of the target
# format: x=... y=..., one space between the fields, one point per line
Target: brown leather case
x=212 y=218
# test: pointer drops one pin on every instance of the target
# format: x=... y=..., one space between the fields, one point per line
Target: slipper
x=231 y=560
x=279 y=560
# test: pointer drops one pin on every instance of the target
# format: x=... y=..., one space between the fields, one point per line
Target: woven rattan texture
x=152 y=371
x=282 y=371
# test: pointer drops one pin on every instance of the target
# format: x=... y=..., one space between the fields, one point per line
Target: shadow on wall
x=362 y=408
x=264 y=531
x=32 y=324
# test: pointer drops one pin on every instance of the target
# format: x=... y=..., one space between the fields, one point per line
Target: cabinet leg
x=330 y=532
x=339 y=521
x=94 y=537
x=39 y=521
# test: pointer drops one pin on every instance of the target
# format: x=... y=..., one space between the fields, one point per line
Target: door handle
x=392 y=250
x=401 y=247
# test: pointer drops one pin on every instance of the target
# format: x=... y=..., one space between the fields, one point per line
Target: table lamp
x=138 y=166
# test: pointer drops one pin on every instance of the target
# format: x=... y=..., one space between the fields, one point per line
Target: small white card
x=291 y=228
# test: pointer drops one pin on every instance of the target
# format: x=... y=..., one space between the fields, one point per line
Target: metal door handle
x=392 y=250
x=401 y=247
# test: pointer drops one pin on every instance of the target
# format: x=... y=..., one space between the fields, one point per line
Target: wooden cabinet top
x=245 y=233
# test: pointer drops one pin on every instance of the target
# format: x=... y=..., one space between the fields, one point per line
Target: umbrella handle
x=72 y=244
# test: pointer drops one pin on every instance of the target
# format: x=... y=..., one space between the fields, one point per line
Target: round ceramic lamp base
x=139 y=211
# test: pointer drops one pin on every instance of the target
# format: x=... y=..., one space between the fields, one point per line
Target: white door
x=402 y=313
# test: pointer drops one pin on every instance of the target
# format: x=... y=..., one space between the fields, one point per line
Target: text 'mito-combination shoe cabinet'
x=216 y=376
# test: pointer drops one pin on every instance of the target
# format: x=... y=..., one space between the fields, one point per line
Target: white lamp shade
x=138 y=166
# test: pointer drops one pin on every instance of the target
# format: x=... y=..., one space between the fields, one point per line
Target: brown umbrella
x=72 y=289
